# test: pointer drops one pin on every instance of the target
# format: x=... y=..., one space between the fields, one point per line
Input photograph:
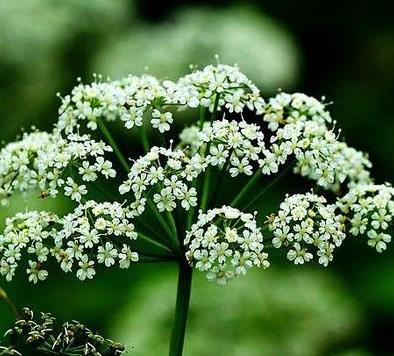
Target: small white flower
x=105 y=167
x=126 y=257
x=161 y=121
x=283 y=236
x=89 y=238
x=165 y=200
x=107 y=254
x=40 y=251
x=86 y=269
x=74 y=190
x=378 y=241
x=231 y=234
x=189 y=198
x=74 y=249
x=88 y=172
x=36 y=273
x=299 y=255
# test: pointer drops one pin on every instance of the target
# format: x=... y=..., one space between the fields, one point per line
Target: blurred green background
x=342 y=50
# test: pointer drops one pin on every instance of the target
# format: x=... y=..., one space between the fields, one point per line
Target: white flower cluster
x=128 y=100
x=355 y=164
x=369 y=209
x=303 y=133
x=231 y=144
x=321 y=157
x=300 y=126
x=29 y=232
x=95 y=230
x=292 y=108
x=43 y=161
x=225 y=85
x=100 y=231
x=190 y=135
x=306 y=221
x=131 y=98
x=169 y=170
x=224 y=243
x=15 y=162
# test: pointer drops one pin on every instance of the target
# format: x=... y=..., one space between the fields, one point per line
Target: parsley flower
x=44 y=161
x=308 y=226
x=224 y=243
x=93 y=231
x=369 y=209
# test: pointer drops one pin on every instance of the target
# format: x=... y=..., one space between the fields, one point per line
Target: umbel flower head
x=236 y=143
x=306 y=222
x=167 y=204
x=46 y=161
x=94 y=233
x=224 y=243
x=300 y=126
x=171 y=170
x=131 y=98
x=369 y=209
x=44 y=336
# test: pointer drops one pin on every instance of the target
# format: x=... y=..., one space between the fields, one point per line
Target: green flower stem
x=48 y=351
x=207 y=176
x=152 y=241
x=144 y=138
x=190 y=216
x=163 y=223
x=151 y=259
x=162 y=139
x=205 y=192
x=126 y=167
x=10 y=303
x=190 y=213
x=268 y=186
x=150 y=255
x=251 y=183
x=168 y=222
x=107 y=195
x=118 y=153
x=152 y=232
x=212 y=199
x=170 y=217
x=215 y=107
x=181 y=309
x=202 y=117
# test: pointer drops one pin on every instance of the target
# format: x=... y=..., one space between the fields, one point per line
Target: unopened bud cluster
x=42 y=336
